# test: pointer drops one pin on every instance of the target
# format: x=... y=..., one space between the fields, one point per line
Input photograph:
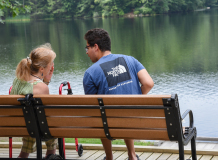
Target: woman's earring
x=42 y=74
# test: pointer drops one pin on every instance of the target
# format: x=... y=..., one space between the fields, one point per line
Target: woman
x=33 y=75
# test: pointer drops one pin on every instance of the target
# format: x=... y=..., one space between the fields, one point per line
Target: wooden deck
x=166 y=151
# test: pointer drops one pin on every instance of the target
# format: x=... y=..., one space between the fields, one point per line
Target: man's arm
x=88 y=84
x=145 y=80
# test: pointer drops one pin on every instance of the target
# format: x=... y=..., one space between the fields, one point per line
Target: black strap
x=104 y=119
x=170 y=119
x=42 y=121
x=29 y=115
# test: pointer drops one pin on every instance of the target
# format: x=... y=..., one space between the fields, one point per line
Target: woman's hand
x=47 y=78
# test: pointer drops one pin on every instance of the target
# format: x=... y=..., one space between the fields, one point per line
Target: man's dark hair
x=100 y=37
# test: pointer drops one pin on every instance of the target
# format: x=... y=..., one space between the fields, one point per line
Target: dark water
x=179 y=51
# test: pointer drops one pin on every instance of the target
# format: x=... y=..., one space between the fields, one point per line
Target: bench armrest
x=191 y=130
x=191 y=119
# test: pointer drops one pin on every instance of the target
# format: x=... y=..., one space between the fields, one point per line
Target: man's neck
x=102 y=54
x=105 y=53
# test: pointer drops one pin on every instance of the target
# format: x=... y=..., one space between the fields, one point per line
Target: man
x=113 y=74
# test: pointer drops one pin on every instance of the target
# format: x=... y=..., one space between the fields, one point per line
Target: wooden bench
x=148 y=117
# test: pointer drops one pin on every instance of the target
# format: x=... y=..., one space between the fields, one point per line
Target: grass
x=17 y=18
x=98 y=141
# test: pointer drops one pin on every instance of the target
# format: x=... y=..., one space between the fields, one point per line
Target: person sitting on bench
x=31 y=72
x=113 y=74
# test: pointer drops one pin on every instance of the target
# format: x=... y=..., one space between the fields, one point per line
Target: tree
x=211 y=3
x=14 y=6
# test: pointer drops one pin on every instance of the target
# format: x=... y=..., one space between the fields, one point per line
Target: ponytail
x=23 y=69
x=39 y=57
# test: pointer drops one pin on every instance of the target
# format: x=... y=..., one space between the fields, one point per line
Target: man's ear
x=96 y=47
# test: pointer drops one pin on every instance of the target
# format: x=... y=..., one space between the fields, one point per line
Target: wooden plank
x=89 y=99
x=109 y=112
x=154 y=156
x=11 y=112
x=115 y=133
x=13 y=132
x=12 y=121
x=88 y=154
x=138 y=153
x=206 y=157
x=199 y=157
x=216 y=147
x=72 y=112
x=187 y=156
x=107 y=99
x=209 y=146
x=145 y=155
x=215 y=158
x=123 y=156
x=117 y=154
x=164 y=156
x=200 y=146
x=173 y=157
x=135 y=112
x=10 y=99
x=112 y=122
x=102 y=156
x=175 y=146
x=168 y=144
x=96 y=155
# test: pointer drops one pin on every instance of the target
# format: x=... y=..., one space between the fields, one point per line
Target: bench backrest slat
x=12 y=121
x=13 y=132
x=115 y=133
x=112 y=122
x=107 y=99
x=11 y=112
x=10 y=99
x=110 y=112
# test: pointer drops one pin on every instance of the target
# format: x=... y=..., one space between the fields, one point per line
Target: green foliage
x=13 y=6
x=211 y=3
x=97 y=8
x=143 y=10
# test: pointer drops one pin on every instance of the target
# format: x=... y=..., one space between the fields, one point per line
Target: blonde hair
x=38 y=57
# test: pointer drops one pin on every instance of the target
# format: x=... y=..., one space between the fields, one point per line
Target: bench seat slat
x=112 y=122
x=11 y=112
x=12 y=121
x=99 y=133
x=109 y=112
x=13 y=132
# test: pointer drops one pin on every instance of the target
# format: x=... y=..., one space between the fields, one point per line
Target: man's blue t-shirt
x=113 y=74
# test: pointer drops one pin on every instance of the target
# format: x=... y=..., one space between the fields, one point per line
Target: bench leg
x=39 y=148
x=181 y=151
x=193 y=148
x=61 y=144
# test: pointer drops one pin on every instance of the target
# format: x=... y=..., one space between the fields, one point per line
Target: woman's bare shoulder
x=40 y=88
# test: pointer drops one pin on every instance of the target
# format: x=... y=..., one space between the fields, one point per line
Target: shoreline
x=126 y=15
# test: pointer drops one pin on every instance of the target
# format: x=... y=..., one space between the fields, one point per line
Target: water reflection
x=179 y=51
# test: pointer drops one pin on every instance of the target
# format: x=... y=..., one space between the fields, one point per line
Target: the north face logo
x=117 y=70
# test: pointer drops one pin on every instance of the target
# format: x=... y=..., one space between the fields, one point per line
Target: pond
x=178 y=50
